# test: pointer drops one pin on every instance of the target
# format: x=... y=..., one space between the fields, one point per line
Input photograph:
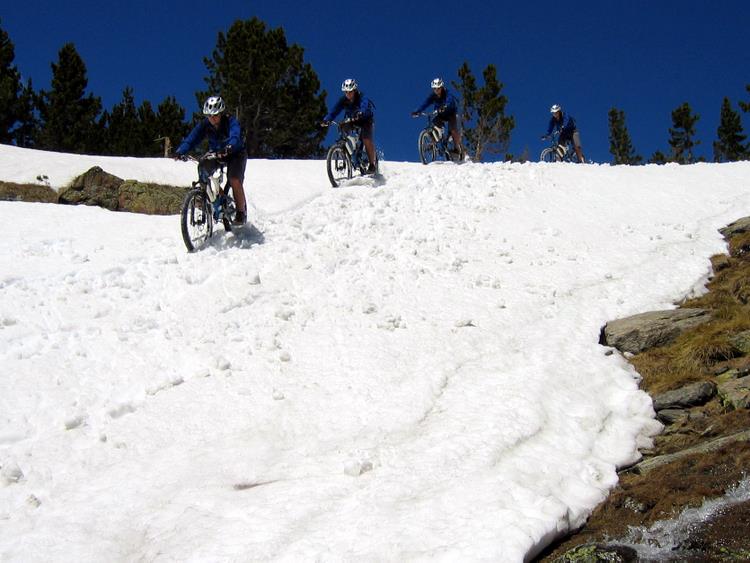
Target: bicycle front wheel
x=549 y=155
x=427 y=147
x=196 y=219
x=339 y=165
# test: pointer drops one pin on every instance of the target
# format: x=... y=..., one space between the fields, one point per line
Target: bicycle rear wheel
x=196 y=219
x=339 y=165
x=428 y=151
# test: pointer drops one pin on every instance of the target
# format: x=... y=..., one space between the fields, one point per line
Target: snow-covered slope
x=400 y=371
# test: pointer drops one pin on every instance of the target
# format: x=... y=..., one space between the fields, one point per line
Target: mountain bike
x=434 y=144
x=558 y=152
x=208 y=202
x=347 y=155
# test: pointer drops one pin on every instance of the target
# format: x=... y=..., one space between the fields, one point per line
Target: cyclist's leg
x=236 y=174
x=366 y=134
x=456 y=134
x=577 y=146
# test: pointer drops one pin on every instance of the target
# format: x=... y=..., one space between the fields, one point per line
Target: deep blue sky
x=644 y=57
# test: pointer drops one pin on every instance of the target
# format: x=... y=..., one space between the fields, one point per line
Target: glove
x=545 y=137
x=441 y=110
x=325 y=123
x=225 y=152
x=415 y=114
x=178 y=156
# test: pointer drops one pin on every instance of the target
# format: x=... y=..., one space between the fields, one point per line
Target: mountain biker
x=564 y=124
x=446 y=107
x=224 y=138
x=359 y=109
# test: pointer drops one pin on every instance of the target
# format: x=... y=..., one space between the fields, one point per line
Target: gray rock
x=671 y=416
x=93 y=187
x=691 y=395
x=741 y=341
x=596 y=553
x=648 y=330
x=648 y=465
x=97 y=187
x=738 y=227
x=736 y=393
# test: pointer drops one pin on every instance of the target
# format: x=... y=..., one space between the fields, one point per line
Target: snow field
x=404 y=370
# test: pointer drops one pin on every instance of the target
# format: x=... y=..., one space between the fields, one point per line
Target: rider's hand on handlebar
x=545 y=137
x=225 y=152
x=415 y=114
x=178 y=156
x=325 y=124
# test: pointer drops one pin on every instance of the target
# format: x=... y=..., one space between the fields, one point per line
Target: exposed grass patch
x=10 y=191
x=697 y=352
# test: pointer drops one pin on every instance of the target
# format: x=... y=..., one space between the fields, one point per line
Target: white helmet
x=349 y=85
x=436 y=83
x=555 y=108
x=213 y=106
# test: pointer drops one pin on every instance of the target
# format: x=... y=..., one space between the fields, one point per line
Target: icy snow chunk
x=11 y=472
x=75 y=421
x=355 y=468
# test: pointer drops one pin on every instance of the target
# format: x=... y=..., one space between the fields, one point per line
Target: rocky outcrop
x=704 y=449
x=711 y=446
x=153 y=199
x=692 y=395
x=647 y=330
x=97 y=187
x=94 y=187
x=737 y=228
x=735 y=394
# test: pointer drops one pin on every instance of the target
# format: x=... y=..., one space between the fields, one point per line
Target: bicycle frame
x=439 y=134
x=561 y=152
x=211 y=180
x=350 y=138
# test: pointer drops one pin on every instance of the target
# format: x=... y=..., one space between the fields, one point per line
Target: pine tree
x=620 y=144
x=274 y=93
x=682 y=133
x=729 y=145
x=482 y=112
x=68 y=114
x=27 y=129
x=745 y=106
x=170 y=121
x=658 y=158
x=148 y=142
x=11 y=90
x=123 y=127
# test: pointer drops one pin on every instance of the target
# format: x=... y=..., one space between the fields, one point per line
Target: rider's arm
x=335 y=111
x=365 y=108
x=235 y=135
x=451 y=106
x=551 y=126
x=570 y=124
x=194 y=137
x=429 y=100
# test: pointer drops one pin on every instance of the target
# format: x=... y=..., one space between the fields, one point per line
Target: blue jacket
x=447 y=101
x=359 y=104
x=566 y=126
x=228 y=133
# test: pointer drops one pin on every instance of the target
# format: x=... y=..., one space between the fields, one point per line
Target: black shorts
x=365 y=128
x=236 y=165
x=441 y=120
